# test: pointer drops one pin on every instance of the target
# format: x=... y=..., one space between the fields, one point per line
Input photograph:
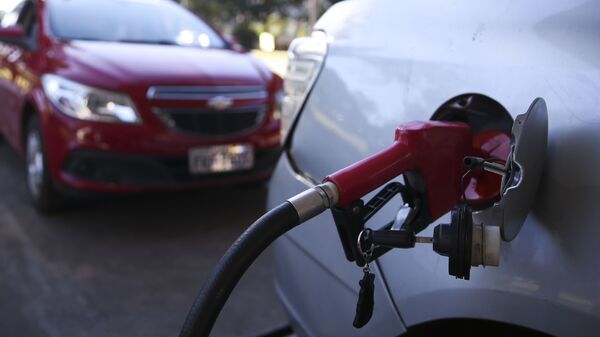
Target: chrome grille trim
x=238 y=109
x=193 y=93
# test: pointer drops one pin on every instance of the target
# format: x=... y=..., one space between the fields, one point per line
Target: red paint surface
x=15 y=32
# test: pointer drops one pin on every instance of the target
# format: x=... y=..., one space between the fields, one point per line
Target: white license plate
x=221 y=158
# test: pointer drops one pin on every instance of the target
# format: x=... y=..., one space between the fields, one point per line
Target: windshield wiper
x=67 y=39
x=163 y=42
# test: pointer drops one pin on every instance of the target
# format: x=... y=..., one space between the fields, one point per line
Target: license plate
x=221 y=158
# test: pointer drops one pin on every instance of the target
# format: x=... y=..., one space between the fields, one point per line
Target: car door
x=15 y=74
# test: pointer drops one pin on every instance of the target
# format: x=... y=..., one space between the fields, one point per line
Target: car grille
x=210 y=122
x=222 y=115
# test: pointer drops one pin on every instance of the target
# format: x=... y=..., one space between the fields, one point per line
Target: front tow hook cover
x=526 y=163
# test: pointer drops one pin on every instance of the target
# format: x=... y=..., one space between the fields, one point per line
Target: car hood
x=115 y=65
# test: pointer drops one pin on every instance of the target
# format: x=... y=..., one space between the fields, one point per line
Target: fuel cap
x=525 y=164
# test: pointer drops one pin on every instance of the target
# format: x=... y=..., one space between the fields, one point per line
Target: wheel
x=39 y=184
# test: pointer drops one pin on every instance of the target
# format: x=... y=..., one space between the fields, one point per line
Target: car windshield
x=130 y=21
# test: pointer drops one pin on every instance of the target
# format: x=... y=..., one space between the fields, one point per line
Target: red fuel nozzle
x=435 y=150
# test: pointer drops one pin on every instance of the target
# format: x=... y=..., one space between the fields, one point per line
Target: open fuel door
x=525 y=165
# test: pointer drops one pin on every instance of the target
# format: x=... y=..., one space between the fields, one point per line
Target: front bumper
x=111 y=157
x=97 y=170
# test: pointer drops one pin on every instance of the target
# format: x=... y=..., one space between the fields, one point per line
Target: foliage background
x=245 y=19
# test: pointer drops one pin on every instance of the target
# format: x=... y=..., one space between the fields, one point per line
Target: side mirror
x=234 y=44
x=13 y=35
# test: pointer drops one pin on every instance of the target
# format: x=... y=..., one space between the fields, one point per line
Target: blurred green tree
x=239 y=17
x=219 y=11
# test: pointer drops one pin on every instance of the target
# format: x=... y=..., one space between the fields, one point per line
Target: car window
x=26 y=17
x=137 y=21
x=11 y=18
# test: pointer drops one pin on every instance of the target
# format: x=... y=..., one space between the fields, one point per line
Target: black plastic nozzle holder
x=350 y=221
x=389 y=238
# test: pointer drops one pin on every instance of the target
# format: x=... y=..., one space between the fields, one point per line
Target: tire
x=39 y=183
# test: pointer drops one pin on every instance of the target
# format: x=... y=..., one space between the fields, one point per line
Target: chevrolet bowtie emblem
x=220 y=102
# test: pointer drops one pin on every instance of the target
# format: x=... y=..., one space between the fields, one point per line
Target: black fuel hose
x=233 y=265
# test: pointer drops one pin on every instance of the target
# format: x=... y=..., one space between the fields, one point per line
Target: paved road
x=127 y=266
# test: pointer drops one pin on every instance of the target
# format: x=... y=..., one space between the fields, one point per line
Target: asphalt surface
x=126 y=266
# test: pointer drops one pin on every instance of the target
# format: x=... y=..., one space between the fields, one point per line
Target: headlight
x=87 y=103
x=306 y=56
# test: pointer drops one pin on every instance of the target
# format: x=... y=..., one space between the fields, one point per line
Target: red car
x=129 y=95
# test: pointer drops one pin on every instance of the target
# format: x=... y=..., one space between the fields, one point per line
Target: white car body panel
x=390 y=62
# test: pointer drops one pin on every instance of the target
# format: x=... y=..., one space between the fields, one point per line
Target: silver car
x=372 y=65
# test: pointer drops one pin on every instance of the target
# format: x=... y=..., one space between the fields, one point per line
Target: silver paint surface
x=391 y=62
